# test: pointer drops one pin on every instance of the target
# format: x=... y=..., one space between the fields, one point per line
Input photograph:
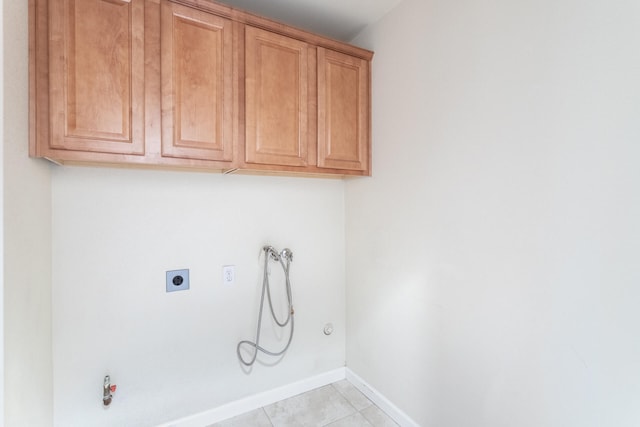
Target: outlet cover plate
x=177 y=280
x=228 y=274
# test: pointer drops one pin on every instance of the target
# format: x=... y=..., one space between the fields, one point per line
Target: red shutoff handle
x=113 y=388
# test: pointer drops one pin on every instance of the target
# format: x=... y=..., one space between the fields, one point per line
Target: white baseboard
x=382 y=402
x=259 y=400
x=256 y=401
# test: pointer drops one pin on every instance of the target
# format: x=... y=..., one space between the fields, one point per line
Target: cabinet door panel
x=97 y=75
x=276 y=78
x=343 y=111
x=196 y=84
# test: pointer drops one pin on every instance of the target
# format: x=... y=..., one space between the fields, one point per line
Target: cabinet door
x=276 y=99
x=343 y=111
x=96 y=63
x=196 y=84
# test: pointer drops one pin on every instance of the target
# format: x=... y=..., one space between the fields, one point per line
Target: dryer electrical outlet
x=177 y=280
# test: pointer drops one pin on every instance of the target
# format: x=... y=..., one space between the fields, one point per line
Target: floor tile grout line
x=347 y=398
x=356 y=411
x=344 y=397
x=267 y=415
x=341 y=418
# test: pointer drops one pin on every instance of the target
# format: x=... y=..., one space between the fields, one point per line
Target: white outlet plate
x=228 y=274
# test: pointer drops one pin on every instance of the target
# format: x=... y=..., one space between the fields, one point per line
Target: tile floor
x=336 y=405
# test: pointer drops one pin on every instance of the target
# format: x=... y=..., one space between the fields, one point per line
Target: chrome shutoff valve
x=107 y=391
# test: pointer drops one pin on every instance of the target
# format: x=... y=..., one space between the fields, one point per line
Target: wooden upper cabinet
x=197 y=101
x=277 y=81
x=343 y=111
x=96 y=75
x=193 y=84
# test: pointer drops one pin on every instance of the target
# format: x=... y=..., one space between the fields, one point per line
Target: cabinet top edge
x=245 y=17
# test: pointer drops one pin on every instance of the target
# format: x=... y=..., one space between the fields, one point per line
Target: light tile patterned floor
x=336 y=405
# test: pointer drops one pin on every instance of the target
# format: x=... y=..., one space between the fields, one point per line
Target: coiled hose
x=287 y=256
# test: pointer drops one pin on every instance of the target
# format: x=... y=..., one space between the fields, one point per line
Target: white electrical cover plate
x=228 y=274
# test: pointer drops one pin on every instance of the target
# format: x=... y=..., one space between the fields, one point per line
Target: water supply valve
x=107 y=391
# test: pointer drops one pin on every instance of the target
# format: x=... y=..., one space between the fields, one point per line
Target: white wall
x=116 y=232
x=492 y=260
x=1 y=215
x=28 y=385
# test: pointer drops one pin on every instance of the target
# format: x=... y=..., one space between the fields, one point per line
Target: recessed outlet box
x=177 y=280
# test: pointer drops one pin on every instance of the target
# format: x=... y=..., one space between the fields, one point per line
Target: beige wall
x=1 y=215
x=27 y=244
x=492 y=260
x=492 y=275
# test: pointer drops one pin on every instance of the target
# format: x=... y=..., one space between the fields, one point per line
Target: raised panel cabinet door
x=96 y=63
x=196 y=84
x=343 y=111
x=276 y=99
